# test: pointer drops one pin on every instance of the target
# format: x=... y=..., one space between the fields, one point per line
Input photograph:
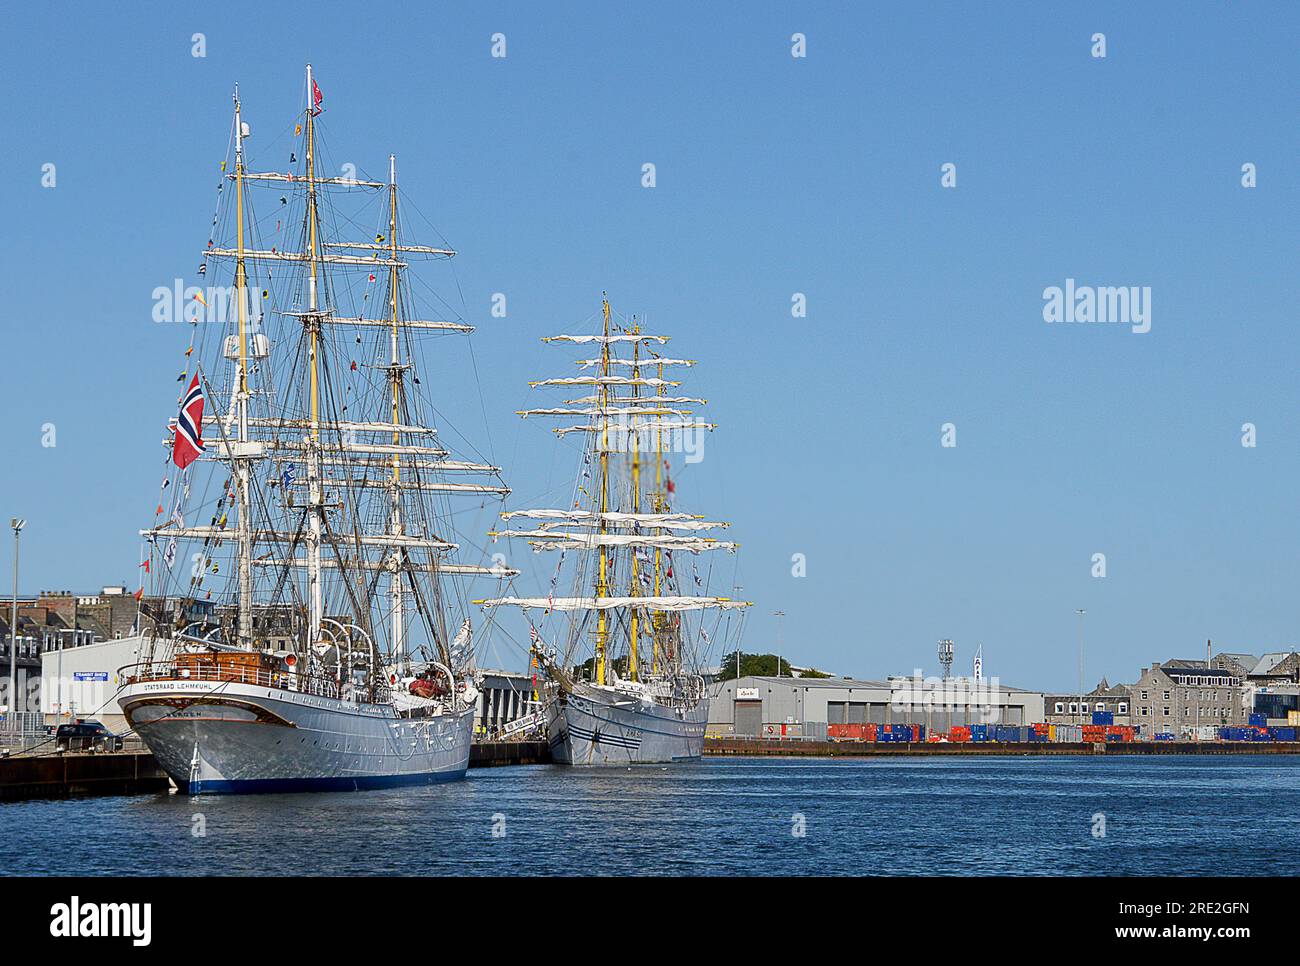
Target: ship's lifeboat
x=423 y=687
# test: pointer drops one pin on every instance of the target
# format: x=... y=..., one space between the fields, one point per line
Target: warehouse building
x=82 y=682
x=803 y=707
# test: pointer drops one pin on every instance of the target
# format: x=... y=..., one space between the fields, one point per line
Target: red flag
x=145 y=565
x=189 y=427
x=139 y=593
x=316 y=97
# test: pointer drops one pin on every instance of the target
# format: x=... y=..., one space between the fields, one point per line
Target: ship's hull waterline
x=595 y=727
x=230 y=738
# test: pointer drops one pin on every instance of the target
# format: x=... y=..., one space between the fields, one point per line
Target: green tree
x=752 y=665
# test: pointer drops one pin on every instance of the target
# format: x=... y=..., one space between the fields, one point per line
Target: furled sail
x=657 y=604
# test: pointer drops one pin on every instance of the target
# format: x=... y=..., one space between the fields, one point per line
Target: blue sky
x=775 y=175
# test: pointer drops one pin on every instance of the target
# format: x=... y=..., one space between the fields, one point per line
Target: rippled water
x=1166 y=816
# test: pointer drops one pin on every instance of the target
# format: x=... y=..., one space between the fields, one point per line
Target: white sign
x=746 y=694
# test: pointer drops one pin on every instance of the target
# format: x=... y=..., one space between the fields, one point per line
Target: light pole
x=1080 y=611
x=13 y=633
x=778 y=614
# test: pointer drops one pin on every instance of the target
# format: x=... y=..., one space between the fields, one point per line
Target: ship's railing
x=231 y=674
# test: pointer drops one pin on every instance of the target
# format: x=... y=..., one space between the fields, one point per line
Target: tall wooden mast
x=633 y=657
x=395 y=377
x=244 y=531
x=315 y=592
x=602 y=581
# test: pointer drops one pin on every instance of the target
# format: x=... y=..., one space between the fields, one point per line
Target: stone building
x=1178 y=696
x=1279 y=667
x=1069 y=709
x=46 y=623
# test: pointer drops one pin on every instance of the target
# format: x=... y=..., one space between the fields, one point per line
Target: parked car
x=85 y=735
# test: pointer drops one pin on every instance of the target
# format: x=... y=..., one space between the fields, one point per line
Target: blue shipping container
x=1103 y=717
x=1258 y=720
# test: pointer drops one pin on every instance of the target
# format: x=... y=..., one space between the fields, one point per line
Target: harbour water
x=1224 y=815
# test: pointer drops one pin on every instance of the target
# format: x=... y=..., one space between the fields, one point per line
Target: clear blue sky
x=775 y=175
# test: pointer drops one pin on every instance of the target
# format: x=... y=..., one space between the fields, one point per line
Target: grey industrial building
x=772 y=706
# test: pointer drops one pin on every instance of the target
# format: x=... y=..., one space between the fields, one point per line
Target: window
x=1122 y=707
x=1101 y=706
x=1166 y=698
x=1060 y=707
x=1144 y=695
x=1084 y=707
x=1145 y=710
x=1166 y=712
x=1074 y=707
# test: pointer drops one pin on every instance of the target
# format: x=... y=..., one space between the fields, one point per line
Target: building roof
x=845 y=683
x=1269 y=661
x=1181 y=667
x=1241 y=657
x=820 y=682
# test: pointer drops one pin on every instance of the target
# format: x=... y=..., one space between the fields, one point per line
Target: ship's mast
x=395 y=376
x=241 y=468
x=599 y=526
x=633 y=658
x=315 y=595
x=657 y=504
x=602 y=582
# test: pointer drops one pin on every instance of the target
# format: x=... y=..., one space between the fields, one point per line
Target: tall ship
x=308 y=623
x=623 y=652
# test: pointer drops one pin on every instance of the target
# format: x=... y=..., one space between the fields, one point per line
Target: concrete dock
x=74 y=775
x=490 y=753
x=802 y=748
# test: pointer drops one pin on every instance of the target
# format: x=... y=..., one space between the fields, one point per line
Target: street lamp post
x=780 y=643
x=1079 y=704
x=18 y=525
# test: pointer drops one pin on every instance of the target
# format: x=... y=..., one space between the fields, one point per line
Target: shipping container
x=1103 y=717
x=1258 y=720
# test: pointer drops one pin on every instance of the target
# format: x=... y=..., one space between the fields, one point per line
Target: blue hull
x=262 y=786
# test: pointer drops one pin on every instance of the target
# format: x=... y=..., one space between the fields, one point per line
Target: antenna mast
x=946 y=651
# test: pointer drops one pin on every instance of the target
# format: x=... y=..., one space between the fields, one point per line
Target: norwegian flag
x=189 y=427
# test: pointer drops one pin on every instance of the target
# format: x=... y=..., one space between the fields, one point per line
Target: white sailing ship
x=640 y=697
x=317 y=637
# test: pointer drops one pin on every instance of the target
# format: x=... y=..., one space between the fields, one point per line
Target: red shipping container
x=869 y=732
